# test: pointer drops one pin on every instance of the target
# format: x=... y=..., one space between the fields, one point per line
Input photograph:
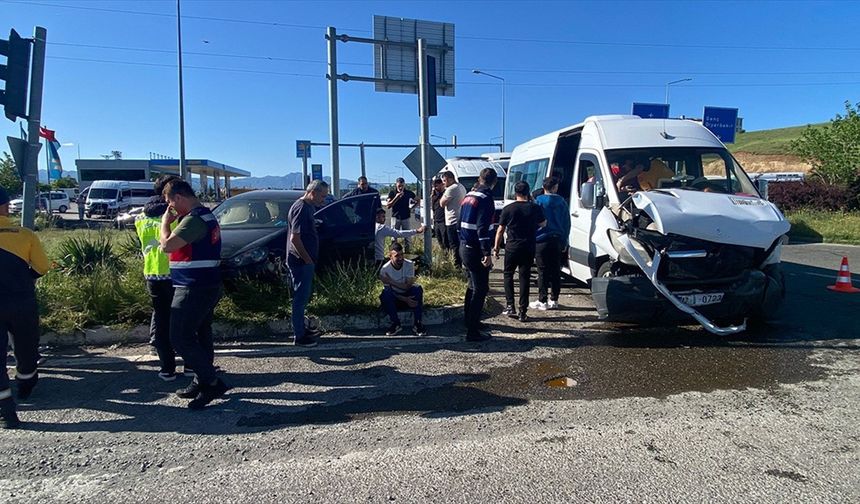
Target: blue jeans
x=389 y=302
x=302 y=276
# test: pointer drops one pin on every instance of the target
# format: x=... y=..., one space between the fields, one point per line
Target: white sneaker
x=537 y=305
x=552 y=305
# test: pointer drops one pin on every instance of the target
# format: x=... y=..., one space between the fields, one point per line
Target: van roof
x=629 y=131
x=109 y=183
x=471 y=167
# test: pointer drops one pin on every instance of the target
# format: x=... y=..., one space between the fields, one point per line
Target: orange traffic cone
x=843 y=279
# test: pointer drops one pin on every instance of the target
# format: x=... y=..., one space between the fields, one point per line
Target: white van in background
x=141 y=192
x=466 y=171
x=108 y=198
x=665 y=224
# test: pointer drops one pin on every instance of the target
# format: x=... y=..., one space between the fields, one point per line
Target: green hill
x=768 y=142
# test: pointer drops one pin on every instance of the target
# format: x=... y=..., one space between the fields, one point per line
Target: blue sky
x=780 y=63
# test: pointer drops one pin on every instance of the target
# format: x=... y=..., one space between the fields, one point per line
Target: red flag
x=47 y=134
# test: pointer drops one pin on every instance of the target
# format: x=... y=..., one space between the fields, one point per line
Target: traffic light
x=16 y=73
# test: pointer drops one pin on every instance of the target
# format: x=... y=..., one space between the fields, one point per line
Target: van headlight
x=250 y=257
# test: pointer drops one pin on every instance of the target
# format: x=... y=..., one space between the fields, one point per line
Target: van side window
x=532 y=172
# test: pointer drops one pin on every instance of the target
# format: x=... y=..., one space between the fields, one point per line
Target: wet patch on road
x=600 y=372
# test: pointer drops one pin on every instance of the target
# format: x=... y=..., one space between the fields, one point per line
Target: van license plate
x=701 y=299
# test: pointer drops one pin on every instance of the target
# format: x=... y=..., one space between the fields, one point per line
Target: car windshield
x=253 y=213
x=498 y=191
x=691 y=168
x=102 y=193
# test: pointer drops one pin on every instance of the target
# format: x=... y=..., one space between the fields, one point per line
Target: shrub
x=83 y=255
x=346 y=287
x=790 y=196
x=129 y=245
x=44 y=221
x=853 y=202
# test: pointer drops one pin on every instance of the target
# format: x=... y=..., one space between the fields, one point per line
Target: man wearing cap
x=22 y=261
x=401 y=201
x=383 y=231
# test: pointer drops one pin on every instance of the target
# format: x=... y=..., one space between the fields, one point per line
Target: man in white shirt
x=398 y=278
x=450 y=201
x=382 y=231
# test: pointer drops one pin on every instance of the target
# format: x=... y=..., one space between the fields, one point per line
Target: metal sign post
x=424 y=107
x=331 y=36
x=303 y=150
x=34 y=122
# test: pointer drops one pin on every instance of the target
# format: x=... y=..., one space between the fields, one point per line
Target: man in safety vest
x=22 y=261
x=156 y=270
x=194 y=249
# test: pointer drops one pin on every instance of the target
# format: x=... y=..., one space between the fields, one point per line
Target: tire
x=63 y=209
x=604 y=269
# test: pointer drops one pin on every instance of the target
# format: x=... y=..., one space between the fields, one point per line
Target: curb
x=106 y=335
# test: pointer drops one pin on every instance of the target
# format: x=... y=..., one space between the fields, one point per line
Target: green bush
x=83 y=255
x=346 y=287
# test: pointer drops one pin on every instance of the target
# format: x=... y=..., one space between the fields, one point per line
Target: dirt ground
x=766 y=163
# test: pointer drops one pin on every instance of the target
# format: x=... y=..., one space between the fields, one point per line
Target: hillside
x=769 y=150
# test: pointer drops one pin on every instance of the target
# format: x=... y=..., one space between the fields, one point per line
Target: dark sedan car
x=254 y=231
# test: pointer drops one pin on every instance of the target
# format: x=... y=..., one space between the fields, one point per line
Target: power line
x=466 y=37
x=470 y=83
x=462 y=69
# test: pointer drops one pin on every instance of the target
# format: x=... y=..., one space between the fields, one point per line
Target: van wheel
x=604 y=270
x=63 y=209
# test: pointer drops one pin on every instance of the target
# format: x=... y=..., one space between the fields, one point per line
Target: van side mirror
x=761 y=184
x=587 y=195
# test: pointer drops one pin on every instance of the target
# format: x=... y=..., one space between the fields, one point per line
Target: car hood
x=720 y=218
x=235 y=241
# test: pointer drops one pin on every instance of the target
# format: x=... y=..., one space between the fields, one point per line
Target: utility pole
x=183 y=170
x=331 y=36
x=363 y=166
x=34 y=122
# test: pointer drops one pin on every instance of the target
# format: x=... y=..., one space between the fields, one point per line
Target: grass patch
x=827 y=227
x=769 y=142
x=101 y=282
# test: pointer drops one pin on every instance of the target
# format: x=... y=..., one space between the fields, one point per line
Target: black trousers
x=521 y=258
x=477 y=289
x=20 y=317
x=548 y=260
x=453 y=234
x=161 y=294
x=191 y=315
x=441 y=235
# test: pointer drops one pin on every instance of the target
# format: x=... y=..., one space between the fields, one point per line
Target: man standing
x=438 y=213
x=451 y=200
x=81 y=202
x=398 y=278
x=383 y=231
x=476 y=219
x=521 y=220
x=22 y=261
x=401 y=201
x=302 y=254
x=363 y=188
x=551 y=242
x=194 y=249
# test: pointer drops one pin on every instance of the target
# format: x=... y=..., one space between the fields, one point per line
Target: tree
x=64 y=182
x=9 y=178
x=833 y=150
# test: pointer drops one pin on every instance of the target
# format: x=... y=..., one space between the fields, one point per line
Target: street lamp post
x=674 y=82
x=446 y=141
x=504 y=86
x=72 y=144
x=183 y=170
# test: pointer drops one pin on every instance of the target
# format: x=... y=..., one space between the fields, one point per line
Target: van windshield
x=704 y=169
x=498 y=191
x=102 y=193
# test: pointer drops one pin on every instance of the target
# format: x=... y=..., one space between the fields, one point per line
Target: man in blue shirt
x=477 y=212
x=551 y=242
x=302 y=254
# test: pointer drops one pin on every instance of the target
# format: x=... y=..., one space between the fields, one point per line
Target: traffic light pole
x=34 y=122
x=424 y=106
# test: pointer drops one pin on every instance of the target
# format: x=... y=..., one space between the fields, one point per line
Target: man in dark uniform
x=194 y=250
x=476 y=245
x=22 y=261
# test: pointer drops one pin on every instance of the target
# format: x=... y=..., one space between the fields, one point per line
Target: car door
x=346 y=228
x=581 y=253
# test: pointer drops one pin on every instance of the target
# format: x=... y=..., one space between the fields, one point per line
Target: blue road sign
x=651 y=110
x=722 y=122
x=316 y=172
x=303 y=148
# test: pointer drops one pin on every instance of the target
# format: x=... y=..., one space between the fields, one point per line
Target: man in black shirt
x=401 y=201
x=521 y=219
x=439 y=214
x=363 y=188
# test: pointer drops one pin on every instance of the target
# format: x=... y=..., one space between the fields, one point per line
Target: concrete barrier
x=282 y=328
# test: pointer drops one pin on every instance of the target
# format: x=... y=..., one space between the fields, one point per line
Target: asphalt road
x=562 y=409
